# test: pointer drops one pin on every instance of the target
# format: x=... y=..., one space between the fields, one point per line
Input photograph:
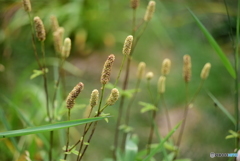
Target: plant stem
x=89 y=139
x=153 y=125
x=120 y=109
x=44 y=69
x=149 y=91
x=56 y=88
x=80 y=155
x=237 y=79
x=166 y=113
x=128 y=111
x=119 y=73
x=184 y=118
x=87 y=128
x=34 y=42
x=67 y=144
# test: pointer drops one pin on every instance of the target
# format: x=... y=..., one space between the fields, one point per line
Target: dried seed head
x=94 y=98
x=187 y=65
x=27 y=5
x=113 y=97
x=73 y=95
x=141 y=70
x=127 y=45
x=66 y=48
x=161 y=84
x=106 y=72
x=166 y=65
x=149 y=75
x=39 y=28
x=134 y=4
x=54 y=23
x=150 y=10
x=205 y=71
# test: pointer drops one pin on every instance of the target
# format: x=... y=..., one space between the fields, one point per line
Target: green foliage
x=222 y=108
x=147 y=107
x=50 y=127
x=216 y=47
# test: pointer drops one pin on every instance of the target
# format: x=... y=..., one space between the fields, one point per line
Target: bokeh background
x=98 y=29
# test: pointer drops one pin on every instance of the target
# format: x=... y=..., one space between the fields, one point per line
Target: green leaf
x=24 y=119
x=37 y=73
x=161 y=144
x=44 y=128
x=222 y=108
x=131 y=150
x=216 y=47
x=147 y=107
x=233 y=135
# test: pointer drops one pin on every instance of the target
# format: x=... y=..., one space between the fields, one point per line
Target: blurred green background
x=98 y=29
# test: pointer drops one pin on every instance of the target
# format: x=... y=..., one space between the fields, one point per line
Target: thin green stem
x=119 y=73
x=89 y=139
x=237 y=79
x=56 y=87
x=47 y=96
x=122 y=99
x=184 y=118
x=67 y=144
x=150 y=137
x=166 y=112
x=80 y=155
x=149 y=91
x=86 y=128
x=128 y=111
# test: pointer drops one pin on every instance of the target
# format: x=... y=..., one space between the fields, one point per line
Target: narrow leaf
x=161 y=144
x=50 y=127
x=216 y=47
x=24 y=119
x=222 y=108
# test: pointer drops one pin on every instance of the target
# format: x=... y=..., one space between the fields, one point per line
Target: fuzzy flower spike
x=106 y=72
x=73 y=95
x=39 y=28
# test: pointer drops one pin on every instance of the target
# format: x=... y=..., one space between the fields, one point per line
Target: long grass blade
x=161 y=144
x=224 y=110
x=216 y=47
x=8 y=127
x=25 y=120
x=49 y=127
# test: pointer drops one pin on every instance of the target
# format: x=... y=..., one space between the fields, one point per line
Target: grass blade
x=8 y=127
x=49 y=127
x=161 y=144
x=216 y=47
x=222 y=108
x=25 y=120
